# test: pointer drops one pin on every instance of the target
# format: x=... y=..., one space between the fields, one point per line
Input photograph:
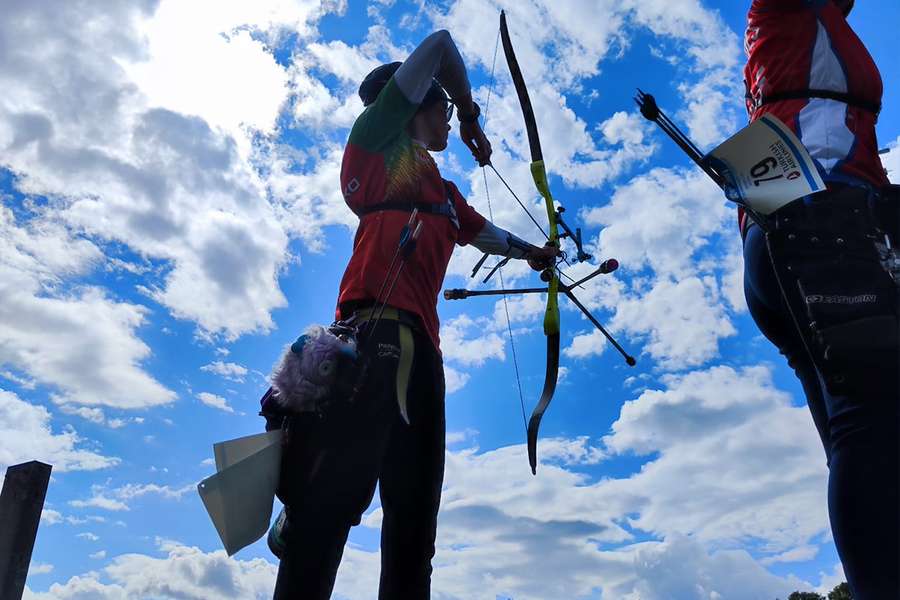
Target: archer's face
x=430 y=126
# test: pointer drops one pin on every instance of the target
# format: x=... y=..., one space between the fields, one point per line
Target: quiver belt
x=839 y=270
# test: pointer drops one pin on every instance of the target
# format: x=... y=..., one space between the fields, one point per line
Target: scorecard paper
x=765 y=166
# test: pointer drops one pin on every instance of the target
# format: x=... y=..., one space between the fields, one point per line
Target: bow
x=551 y=314
x=550 y=275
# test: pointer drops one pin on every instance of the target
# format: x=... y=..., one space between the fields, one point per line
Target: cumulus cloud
x=719 y=428
x=214 y=401
x=94 y=355
x=142 y=168
x=39 y=569
x=228 y=370
x=51 y=517
x=667 y=223
x=470 y=351
x=454 y=380
x=181 y=572
x=585 y=345
x=117 y=499
x=661 y=219
x=683 y=321
x=26 y=434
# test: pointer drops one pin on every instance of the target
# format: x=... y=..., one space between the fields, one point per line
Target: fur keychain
x=319 y=368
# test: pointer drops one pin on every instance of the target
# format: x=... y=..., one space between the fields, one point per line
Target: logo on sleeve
x=351 y=187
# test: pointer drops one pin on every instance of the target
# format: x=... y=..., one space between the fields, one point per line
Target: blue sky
x=170 y=218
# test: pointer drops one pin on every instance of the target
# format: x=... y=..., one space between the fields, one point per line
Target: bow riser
x=551 y=315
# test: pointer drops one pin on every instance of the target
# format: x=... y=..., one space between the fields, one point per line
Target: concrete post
x=21 y=503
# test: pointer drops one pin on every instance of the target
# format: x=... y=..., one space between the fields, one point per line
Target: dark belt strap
x=431 y=208
x=849 y=99
x=362 y=311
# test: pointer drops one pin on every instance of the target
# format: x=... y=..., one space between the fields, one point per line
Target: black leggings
x=331 y=467
x=859 y=435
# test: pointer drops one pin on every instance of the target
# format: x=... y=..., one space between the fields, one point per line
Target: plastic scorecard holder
x=239 y=497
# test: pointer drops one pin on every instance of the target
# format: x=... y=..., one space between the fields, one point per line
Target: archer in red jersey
x=393 y=433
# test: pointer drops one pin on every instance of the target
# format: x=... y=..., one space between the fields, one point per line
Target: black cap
x=378 y=78
x=375 y=82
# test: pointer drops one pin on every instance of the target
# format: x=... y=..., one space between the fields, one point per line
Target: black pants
x=859 y=435
x=331 y=467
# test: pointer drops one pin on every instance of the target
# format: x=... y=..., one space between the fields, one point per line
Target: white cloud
x=181 y=572
x=39 y=569
x=454 y=380
x=23 y=382
x=87 y=535
x=99 y=555
x=117 y=499
x=228 y=370
x=25 y=434
x=458 y=437
x=661 y=219
x=214 y=401
x=683 y=321
x=722 y=430
x=666 y=223
x=681 y=567
x=93 y=356
x=470 y=351
x=305 y=191
x=100 y=501
x=891 y=161
x=173 y=187
x=505 y=533
x=94 y=415
x=50 y=516
x=585 y=345
x=832 y=579
x=197 y=61
x=798 y=554
x=133 y=490
x=707 y=47
x=81 y=521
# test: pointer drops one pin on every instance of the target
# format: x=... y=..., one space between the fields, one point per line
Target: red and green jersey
x=382 y=164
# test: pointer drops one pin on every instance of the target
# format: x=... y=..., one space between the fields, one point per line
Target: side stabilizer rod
x=607 y=266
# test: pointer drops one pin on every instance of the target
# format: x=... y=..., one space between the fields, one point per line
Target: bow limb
x=539 y=174
x=546 y=395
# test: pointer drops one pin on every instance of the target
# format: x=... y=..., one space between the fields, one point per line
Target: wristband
x=470 y=118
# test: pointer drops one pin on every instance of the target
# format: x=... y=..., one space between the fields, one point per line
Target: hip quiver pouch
x=836 y=260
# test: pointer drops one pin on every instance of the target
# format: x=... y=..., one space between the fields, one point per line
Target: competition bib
x=765 y=166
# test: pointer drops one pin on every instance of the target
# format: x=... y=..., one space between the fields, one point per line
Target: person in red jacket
x=392 y=434
x=807 y=67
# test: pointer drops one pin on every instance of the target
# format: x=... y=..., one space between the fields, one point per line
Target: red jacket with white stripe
x=796 y=45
